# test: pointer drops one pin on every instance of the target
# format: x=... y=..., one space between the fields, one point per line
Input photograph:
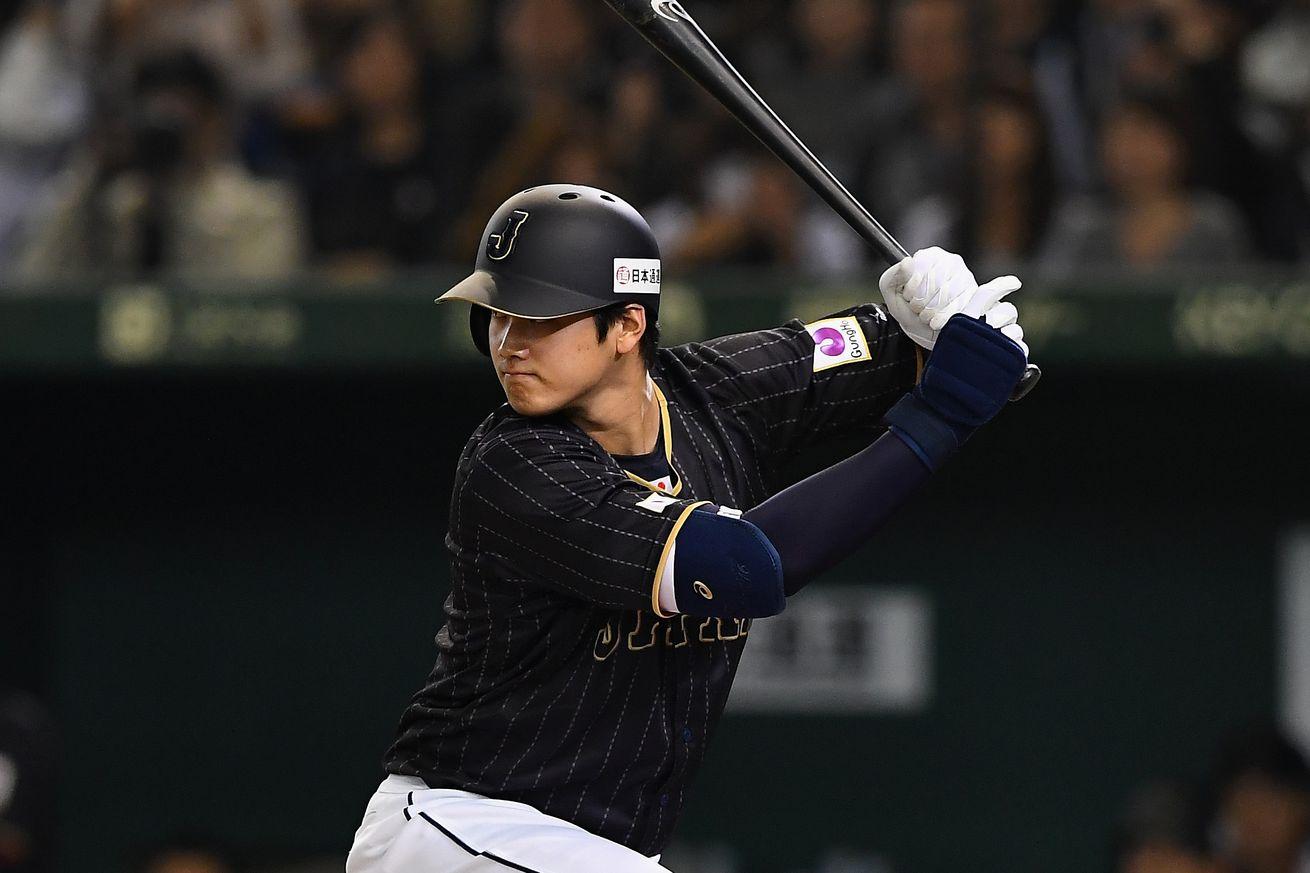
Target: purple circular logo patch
x=830 y=341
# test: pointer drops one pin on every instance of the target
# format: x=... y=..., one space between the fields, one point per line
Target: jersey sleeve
x=548 y=506
x=801 y=383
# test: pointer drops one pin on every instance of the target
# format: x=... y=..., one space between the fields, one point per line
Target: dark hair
x=145 y=858
x=1041 y=175
x=1264 y=751
x=650 y=340
x=1162 y=813
x=1165 y=111
x=184 y=70
x=358 y=27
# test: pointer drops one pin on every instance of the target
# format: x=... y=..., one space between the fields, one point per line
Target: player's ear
x=631 y=326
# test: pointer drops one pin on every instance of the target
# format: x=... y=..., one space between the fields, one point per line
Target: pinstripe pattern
x=554 y=684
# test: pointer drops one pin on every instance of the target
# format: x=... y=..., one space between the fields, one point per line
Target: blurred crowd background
x=255 y=138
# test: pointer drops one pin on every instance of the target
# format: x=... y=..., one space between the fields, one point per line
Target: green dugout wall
x=222 y=567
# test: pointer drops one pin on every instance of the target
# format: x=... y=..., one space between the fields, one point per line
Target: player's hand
x=1002 y=315
x=930 y=285
x=923 y=291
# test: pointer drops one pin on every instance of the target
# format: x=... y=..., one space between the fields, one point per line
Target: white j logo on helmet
x=499 y=245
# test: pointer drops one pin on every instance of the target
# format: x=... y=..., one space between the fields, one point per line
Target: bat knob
x=1027 y=382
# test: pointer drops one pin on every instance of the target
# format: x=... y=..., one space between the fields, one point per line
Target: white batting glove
x=923 y=291
x=986 y=303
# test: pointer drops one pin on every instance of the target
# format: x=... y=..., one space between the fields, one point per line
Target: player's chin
x=530 y=400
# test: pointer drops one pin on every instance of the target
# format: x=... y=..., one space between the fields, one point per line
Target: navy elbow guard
x=969 y=377
x=725 y=567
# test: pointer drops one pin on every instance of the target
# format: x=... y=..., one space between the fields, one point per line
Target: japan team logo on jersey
x=837 y=341
x=499 y=245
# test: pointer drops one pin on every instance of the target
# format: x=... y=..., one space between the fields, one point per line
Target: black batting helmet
x=559 y=250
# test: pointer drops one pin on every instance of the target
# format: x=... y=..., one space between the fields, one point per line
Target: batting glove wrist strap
x=929 y=436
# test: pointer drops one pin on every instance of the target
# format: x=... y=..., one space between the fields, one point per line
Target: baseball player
x=612 y=534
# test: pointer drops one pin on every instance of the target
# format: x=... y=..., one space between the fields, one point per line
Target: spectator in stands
x=1204 y=37
x=455 y=33
x=923 y=148
x=1261 y=784
x=43 y=107
x=1030 y=48
x=554 y=80
x=258 y=46
x=1002 y=217
x=832 y=91
x=1118 y=39
x=377 y=186
x=1189 y=52
x=160 y=191
x=1161 y=831
x=186 y=856
x=758 y=213
x=666 y=143
x=1275 y=69
x=27 y=785
x=1276 y=66
x=327 y=24
x=645 y=140
x=1152 y=217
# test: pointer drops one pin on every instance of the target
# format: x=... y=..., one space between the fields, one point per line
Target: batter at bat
x=612 y=535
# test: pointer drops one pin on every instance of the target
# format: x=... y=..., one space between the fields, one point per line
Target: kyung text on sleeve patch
x=837 y=341
x=636 y=275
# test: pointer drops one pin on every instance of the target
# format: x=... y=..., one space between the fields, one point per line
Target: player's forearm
x=822 y=519
x=753 y=561
x=825 y=517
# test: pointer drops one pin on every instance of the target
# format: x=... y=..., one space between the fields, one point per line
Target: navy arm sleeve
x=848 y=502
x=821 y=519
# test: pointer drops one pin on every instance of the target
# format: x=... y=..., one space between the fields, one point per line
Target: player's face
x=545 y=365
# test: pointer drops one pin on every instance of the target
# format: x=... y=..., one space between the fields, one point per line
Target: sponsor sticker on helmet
x=636 y=275
x=837 y=341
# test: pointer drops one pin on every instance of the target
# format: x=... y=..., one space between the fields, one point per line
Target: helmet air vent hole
x=608 y=197
x=569 y=195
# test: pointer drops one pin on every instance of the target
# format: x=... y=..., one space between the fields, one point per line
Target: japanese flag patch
x=837 y=341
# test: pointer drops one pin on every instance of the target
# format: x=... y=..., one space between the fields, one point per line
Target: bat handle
x=1027 y=382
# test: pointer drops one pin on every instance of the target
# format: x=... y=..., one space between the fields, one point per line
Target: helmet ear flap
x=479 y=323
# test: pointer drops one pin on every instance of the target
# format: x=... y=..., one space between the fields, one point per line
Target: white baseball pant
x=410 y=828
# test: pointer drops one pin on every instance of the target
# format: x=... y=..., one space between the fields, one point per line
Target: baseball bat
x=667 y=25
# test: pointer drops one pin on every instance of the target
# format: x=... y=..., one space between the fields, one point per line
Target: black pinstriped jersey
x=557 y=683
